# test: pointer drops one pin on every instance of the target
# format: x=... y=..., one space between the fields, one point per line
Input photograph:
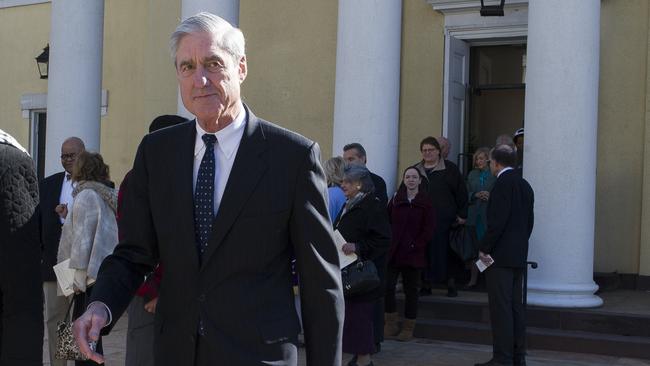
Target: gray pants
x=55 y=307
x=139 y=336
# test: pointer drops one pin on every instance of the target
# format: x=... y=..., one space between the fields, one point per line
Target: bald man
x=55 y=198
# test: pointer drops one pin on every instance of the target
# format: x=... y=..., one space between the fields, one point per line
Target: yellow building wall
x=24 y=32
x=291 y=50
x=422 y=64
x=138 y=74
x=622 y=116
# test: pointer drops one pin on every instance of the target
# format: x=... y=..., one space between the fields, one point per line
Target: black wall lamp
x=492 y=10
x=43 y=62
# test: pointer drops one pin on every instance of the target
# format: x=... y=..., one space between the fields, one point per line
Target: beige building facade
x=292 y=58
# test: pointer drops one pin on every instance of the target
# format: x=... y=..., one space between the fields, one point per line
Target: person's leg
x=139 y=335
x=499 y=286
x=519 y=317
x=411 y=279
x=391 y=326
x=55 y=307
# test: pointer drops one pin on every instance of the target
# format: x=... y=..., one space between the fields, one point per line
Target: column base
x=563 y=295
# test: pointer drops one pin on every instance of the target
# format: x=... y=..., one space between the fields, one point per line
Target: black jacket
x=510 y=221
x=367 y=225
x=49 y=223
x=380 y=188
x=274 y=208
x=447 y=190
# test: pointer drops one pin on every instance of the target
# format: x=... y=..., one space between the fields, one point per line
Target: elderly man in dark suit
x=21 y=299
x=505 y=249
x=55 y=198
x=223 y=204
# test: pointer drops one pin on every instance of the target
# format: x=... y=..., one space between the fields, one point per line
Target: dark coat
x=380 y=188
x=366 y=225
x=49 y=223
x=274 y=205
x=510 y=221
x=447 y=191
x=413 y=224
x=21 y=291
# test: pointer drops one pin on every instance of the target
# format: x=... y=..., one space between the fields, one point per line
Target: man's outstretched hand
x=87 y=327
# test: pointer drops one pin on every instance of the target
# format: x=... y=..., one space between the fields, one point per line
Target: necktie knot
x=209 y=140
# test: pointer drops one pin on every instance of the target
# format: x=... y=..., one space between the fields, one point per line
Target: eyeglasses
x=70 y=156
x=428 y=150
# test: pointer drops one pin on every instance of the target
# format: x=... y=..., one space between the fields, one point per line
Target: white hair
x=228 y=38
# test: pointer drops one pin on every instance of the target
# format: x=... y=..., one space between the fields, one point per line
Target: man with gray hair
x=223 y=203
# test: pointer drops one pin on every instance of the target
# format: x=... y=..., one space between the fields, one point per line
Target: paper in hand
x=65 y=277
x=482 y=266
x=344 y=259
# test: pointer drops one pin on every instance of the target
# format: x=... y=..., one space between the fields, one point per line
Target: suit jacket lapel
x=247 y=170
x=184 y=166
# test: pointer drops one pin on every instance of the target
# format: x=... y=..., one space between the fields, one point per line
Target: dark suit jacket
x=274 y=205
x=380 y=188
x=510 y=221
x=49 y=223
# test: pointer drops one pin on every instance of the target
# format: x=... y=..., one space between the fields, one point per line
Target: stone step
x=583 y=320
x=538 y=338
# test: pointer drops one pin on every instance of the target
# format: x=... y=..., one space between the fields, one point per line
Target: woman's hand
x=151 y=306
x=349 y=248
x=61 y=210
x=79 y=284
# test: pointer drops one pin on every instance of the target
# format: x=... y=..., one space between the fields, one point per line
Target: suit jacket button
x=202 y=298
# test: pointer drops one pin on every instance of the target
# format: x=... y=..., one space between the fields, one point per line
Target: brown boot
x=407 y=330
x=391 y=326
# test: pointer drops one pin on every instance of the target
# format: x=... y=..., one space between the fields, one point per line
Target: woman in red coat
x=412 y=220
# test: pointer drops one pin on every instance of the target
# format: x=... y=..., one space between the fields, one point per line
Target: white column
x=366 y=102
x=74 y=77
x=227 y=9
x=560 y=150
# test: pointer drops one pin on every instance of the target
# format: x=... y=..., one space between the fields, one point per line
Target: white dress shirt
x=503 y=170
x=225 y=150
x=66 y=193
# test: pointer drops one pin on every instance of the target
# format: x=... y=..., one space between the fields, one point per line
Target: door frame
x=463 y=21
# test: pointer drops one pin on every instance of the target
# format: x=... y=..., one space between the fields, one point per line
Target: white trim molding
x=38 y=101
x=12 y=3
x=463 y=6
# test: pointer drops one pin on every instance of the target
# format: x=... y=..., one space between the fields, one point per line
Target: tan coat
x=90 y=231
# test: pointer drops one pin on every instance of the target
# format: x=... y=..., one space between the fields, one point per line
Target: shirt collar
x=503 y=171
x=228 y=138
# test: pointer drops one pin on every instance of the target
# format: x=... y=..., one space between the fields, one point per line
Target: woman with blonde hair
x=479 y=184
x=90 y=231
x=334 y=170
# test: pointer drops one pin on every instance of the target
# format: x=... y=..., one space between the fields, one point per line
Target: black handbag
x=66 y=347
x=359 y=277
x=463 y=241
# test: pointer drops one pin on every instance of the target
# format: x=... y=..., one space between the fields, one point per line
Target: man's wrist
x=109 y=315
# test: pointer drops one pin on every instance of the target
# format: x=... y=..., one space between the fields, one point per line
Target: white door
x=455 y=92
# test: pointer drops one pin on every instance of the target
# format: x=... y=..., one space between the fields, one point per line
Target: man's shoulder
x=278 y=134
x=12 y=159
x=53 y=179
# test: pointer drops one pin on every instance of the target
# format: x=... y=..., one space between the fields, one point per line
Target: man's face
x=519 y=142
x=209 y=80
x=352 y=157
x=69 y=152
x=430 y=154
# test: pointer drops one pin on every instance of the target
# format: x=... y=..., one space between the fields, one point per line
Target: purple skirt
x=358 y=334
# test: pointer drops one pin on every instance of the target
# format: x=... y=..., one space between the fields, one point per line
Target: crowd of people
x=207 y=225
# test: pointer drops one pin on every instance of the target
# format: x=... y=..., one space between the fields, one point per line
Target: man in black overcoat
x=55 y=198
x=223 y=203
x=505 y=245
x=21 y=296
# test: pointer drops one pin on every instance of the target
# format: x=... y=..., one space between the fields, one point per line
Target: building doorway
x=37 y=128
x=496 y=96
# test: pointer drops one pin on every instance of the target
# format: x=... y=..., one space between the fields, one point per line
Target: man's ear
x=243 y=69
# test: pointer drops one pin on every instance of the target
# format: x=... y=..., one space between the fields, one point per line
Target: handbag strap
x=67 y=313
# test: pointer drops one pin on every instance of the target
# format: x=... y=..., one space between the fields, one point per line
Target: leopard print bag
x=66 y=347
